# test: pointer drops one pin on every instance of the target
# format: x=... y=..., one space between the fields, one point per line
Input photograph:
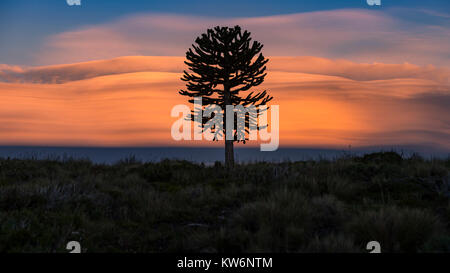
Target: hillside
x=177 y=206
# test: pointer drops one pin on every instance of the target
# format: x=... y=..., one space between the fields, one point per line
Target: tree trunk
x=229 y=154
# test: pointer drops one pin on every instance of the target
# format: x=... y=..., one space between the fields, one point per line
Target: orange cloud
x=304 y=64
x=359 y=35
x=127 y=102
x=86 y=70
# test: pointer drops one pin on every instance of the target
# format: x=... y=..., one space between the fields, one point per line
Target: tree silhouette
x=223 y=63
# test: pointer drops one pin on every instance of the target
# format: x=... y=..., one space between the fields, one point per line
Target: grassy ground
x=178 y=206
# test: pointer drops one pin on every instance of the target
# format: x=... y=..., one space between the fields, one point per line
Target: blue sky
x=25 y=24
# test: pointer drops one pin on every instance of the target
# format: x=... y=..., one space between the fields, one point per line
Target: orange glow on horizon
x=115 y=108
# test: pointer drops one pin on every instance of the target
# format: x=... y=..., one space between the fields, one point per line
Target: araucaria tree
x=224 y=63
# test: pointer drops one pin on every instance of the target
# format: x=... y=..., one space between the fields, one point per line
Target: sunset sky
x=107 y=73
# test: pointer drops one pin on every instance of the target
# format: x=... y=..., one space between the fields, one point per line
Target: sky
x=106 y=73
